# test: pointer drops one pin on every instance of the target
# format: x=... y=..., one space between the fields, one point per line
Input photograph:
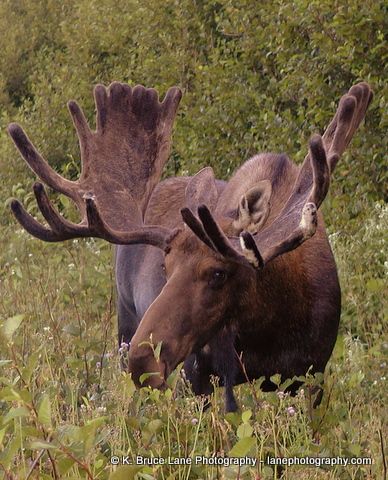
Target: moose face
x=204 y=291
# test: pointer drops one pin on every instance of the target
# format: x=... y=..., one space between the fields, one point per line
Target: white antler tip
x=88 y=196
x=248 y=253
x=309 y=219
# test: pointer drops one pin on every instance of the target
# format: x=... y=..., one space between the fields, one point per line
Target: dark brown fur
x=284 y=318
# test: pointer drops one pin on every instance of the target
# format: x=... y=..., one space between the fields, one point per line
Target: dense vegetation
x=256 y=76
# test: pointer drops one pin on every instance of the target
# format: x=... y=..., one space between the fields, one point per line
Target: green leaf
x=355 y=449
x=129 y=386
x=2 y=433
x=11 y=325
x=15 y=413
x=72 y=329
x=5 y=362
x=245 y=416
x=276 y=379
x=31 y=365
x=42 y=445
x=8 y=455
x=285 y=384
x=242 y=447
x=145 y=376
x=375 y=285
x=233 y=418
x=9 y=394
x=157 y=351
x=146 y=476
x=44 y=411
x=64 y=464
x=155 y=426
x=87 y=433
x=244 y=430
x=126 y=472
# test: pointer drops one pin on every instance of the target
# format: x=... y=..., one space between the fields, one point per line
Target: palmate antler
x=122 y=162
x=298 y=219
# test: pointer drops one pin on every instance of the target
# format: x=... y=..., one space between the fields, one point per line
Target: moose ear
x=254 y=207
x=202 y=189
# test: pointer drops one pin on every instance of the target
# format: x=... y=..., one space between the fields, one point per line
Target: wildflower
x=124 y=347
x=290 y=411
x=281 y=395
x=194 y=421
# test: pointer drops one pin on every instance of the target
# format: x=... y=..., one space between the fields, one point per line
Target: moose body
x=235 y=278
x=288 y=324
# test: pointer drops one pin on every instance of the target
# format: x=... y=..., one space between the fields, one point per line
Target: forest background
x=256 y=76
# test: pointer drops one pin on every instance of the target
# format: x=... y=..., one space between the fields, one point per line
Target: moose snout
x=146 y=370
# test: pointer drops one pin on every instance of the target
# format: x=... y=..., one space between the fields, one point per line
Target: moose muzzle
x=146 y=368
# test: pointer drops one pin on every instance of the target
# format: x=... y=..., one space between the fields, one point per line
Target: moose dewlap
x=236 y=278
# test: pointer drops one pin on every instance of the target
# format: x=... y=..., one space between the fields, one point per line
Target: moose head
x=228 y=255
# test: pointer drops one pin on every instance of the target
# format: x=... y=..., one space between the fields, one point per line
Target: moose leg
x=127 y=322
x=215 y=358
x=198 y=370
x=315 y=395
x=225 y=364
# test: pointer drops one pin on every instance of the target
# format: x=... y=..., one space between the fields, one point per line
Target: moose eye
x=218 y=278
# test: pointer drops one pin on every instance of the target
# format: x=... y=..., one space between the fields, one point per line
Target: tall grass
x=66 y=407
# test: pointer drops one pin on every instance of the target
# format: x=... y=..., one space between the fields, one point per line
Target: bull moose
x=215 y=271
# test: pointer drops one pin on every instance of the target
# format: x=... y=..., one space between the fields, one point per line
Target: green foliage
x=256 y=77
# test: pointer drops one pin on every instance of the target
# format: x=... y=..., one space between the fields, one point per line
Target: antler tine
x=37 y=163
x=222 y=243
x=195 y=225
x=211 y=235
x=217 y=236
x=151 y=235
x=32 y=226
x=81 y=125
x=321 y=171
x=250 y=250
x=60 y=226
x=101 y=100
x=61 y=229
x=364 y=96
x=351 y=111
x=171 y=102
x=305 y=230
